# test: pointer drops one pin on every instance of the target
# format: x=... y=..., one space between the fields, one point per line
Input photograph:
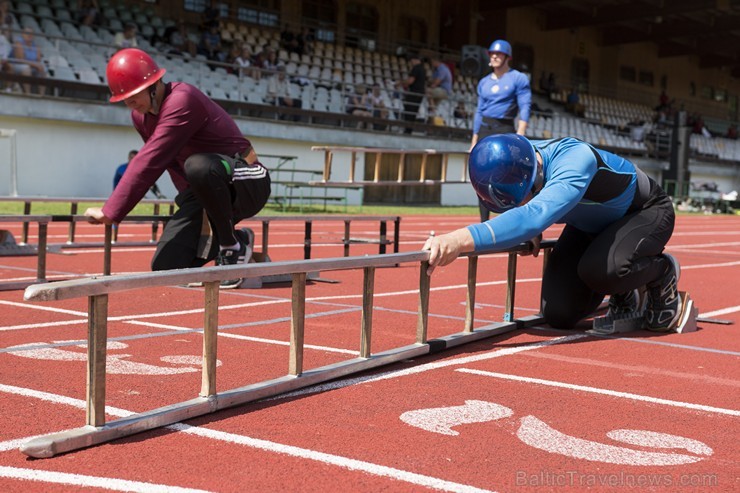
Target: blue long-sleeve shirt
x=584 y=187
x=503 y=98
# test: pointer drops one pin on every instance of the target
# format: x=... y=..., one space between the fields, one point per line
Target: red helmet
x=130 y=71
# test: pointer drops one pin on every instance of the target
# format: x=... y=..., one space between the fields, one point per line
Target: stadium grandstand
x=658 y=82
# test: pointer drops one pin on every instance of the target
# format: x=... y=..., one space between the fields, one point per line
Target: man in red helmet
x=213 y=166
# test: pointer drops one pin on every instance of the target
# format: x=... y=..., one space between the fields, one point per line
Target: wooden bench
x=291 y=183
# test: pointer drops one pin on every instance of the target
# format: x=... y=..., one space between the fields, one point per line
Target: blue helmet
x=500 y=46
x=502 y=170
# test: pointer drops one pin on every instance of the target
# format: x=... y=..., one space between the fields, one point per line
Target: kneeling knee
x=558 y=318
x=197 y=168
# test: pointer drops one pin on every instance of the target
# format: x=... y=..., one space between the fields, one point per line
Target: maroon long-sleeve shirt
x=188 y=123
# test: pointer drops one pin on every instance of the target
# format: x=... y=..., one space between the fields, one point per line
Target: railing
x=97 y=290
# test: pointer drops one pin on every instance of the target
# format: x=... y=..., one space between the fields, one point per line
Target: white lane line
x=246 y=338
x=647 y=370
x=710 y=266
x=43 y=308
x=722 y=311
x=43 y=324
x=268 y=446
x=594 y=390
x=426 y=367
x=336 y=460
x=91 y=481
x=416 y=291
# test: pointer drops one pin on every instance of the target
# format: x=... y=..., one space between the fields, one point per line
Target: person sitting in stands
x=127 y=37
x=279 y=94
x=27 y=60
x=357 y=103
x=88 y=12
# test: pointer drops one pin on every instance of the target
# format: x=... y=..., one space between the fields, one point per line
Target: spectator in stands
x=664 y=102
x=213 y=166
x=177 y=41
x=552 y=86
x=358 y=103
x=127 y=37
x=378 y=106
x=88 y=12
x=440 y=87
x=278 y=93
x=502 y=95
x=268 y=61
x=306 y=40
x=288 y=40
x=732 y=131
x=617 y=223
x=234 y=51
x=573 y=103
x=210 y=44
x=121 y=169
x=210 y=17
x=7 y=18
x=461 y=112
x=414 y=86
x=243 y=63
x=27 y=60
x=6 y=49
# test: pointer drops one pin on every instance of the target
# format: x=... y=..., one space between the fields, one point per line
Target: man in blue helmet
x=617 y=223
x=502 y=95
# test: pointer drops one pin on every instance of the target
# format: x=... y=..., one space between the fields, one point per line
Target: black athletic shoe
x=245 y=237
x=664 y=302
x=623 y=305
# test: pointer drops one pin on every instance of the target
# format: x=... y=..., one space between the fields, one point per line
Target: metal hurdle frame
x=97 y=290
x=43 y=221
x=73 y=212
x=43 y=245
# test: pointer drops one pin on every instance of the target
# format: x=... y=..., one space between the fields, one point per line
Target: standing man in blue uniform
x=502 y=95
x=617 y=223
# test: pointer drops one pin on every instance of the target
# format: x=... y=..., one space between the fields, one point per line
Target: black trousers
x=411 y=104
x=223 y=191
x=484 y=131
x=582 y=267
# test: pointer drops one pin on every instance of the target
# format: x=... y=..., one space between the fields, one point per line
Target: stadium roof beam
x=669 y=30
x=601 y=15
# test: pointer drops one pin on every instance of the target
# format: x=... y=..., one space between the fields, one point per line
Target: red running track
x=532 y=410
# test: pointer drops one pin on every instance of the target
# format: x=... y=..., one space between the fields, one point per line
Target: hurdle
x=43 y=244
x=347 y=240
x=98 y=290
x=74 y=202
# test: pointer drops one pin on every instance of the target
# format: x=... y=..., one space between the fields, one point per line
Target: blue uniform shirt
x=584 y=187
x=503 y=98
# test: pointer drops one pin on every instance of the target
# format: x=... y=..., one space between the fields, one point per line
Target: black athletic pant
x=411 y=104
x=223 y=191
x=582 y=268
x=484 y=131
